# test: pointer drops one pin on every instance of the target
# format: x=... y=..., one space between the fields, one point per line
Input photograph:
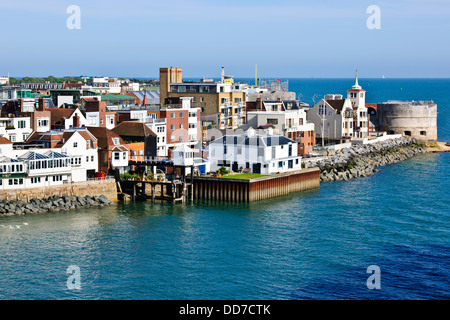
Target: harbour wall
x=362 y=160
x=106 y=187
x=249 y=190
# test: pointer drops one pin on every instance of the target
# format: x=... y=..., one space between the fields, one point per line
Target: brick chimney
x=42 y=106
x=76 y=121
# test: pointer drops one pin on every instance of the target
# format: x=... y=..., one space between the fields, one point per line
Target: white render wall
x=268 y=156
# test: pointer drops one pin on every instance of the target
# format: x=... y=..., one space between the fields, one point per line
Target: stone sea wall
x=362 y=160
x=51 y=204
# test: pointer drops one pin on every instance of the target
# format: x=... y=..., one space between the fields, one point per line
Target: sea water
x=316 y=244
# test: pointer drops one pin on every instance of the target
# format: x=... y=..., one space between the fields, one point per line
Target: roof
x=54 y=154
x=254 y=140
x=4 y=140
x=133 y=129
x=152 y=96
x=58 y=113
x=336 y=104
x=104 y=136
x=116 y=97
x=31 y=155
x=4 y=159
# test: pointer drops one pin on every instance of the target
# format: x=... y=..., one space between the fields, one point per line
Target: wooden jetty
x=223 y=189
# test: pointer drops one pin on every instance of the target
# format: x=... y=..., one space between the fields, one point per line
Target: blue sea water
x=310 y=245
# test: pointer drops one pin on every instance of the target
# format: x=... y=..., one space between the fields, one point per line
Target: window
x=35 y=180
x=124 y=156
x=101 y=121
x=116 y=141
x=172 y=126
x=272 y=121
x=75 y=144
x=172 y=115
x=21 y=124
x=181 y=125
x=239 y=150
x=202 y=99
x=92 y=158
x=42 y=122
x=116 y=156
x=192 y=125
x=87 y=158
x=224 y=149
x=90 y=144
x=321 y=110
x=182 y=115
x=141 y=152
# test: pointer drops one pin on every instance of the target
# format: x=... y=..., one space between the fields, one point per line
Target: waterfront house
x=33 y=169
x=77 y=143
x=260 y=151
x=141 y=141
x=332 y=118
x=182 y=123
x=112 y=151
x=292 y=124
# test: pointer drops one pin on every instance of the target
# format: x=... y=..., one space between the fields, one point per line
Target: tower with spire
x=357 y=97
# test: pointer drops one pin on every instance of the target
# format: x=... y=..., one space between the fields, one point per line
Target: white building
x=104 y=85
x=357 y=97
x=158 y=126
x=78 y=144
x=263 y=153
x=33 y=169
x=332 y=118
x=4 y=80
x=16 y=129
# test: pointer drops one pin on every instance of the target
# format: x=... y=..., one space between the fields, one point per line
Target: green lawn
x=245 y=176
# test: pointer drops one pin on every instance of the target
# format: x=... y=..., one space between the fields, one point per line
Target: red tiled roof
x=4 y=140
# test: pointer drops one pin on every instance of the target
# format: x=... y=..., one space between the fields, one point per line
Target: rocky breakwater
x=362 y=160
x=51 y=204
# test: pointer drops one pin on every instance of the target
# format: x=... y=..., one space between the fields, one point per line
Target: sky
x=285 y=39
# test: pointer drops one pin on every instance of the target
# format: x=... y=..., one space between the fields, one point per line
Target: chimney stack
x=76 y=121
x=41 y=104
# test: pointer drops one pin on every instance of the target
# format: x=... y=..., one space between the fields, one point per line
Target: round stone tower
x=415 y=119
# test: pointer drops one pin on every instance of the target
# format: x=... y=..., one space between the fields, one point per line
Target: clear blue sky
x=284 y=38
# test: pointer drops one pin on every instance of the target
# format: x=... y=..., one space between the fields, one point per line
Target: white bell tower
x=357 y=97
